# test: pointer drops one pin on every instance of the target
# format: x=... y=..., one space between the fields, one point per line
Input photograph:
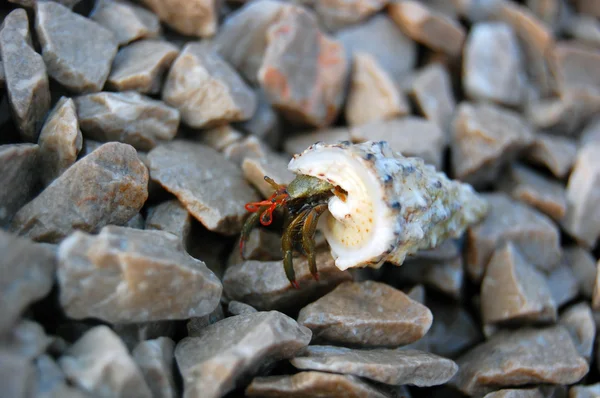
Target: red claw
x=316 y=276
x=295 y=285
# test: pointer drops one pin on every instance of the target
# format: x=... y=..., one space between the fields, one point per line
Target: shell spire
x=395 y=206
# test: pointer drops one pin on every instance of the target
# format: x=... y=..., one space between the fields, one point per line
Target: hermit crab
x=372 y=204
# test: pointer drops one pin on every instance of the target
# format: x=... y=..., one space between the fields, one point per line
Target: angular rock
x=546 y=195
x=513 y=290
x=51 y=382
x=367 y=314
x=452 y=332
x=188 y=17
x=516 y=393
x=127 y=117
x=125 y=275
x=247 y=148
x=101 y=348
x=389 y=366
x=485 y=138
x=569 y=59
x=518 y=358
x=533 y=233
x=312 y=384
x=431 y=89
x=196 y=324
x=141 y=66
x=213 y=363
x=385 y=42
x=212 y=189
x=220 y=137
x=584 y=267
x=582 y=219
x=170 y=216
x=337 y=14
x=444 y=276
x=579 y=321
x=134 y=334
x=431 y=28
x=25 y=74
x=274 y=166
x=206 y=90
x=81 y=59
x=27 y=339
x=17 y=375
x=295 y=43
x=60 y=141
x=239 y=308
x=155 y=360
x=263 y=284
x=298 y=143
x=108 y=186
x=19 y=177
x=26 y=283
x=492 y=68
x=556 y=153
x=265 y=123
x=563 y=283
x=401 y=134
x=127 y=22
x=373 y=95
x=589 y=391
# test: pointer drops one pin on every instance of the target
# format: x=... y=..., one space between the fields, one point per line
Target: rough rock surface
x=81 y=59
x=108 y=186
x=579 y=321
x=220 y=137
x=366 y=313
x=563 y=283
x=556 y=153
x=188 y=17
x=213 y=362
x=211 y=188
x=127 y=21
x=238 y=308
x=247 y=148
x=170 y=216
x=128 y=117
x=25 y=75
x=432 y=91
x=584 y=267
x=125 y=275
x=155 y=360
x=206 y=90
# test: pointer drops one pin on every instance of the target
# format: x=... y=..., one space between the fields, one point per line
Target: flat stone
x=528 y=186
x=519 y=358
x=247 y=148
x=30 y=281
x=312 y=384
x=108 y=186
x=555 y=153
x=20 y=177
x=273 y=165
x=581 y=391
x=579 y=321
x=513 y=290
x=295 y=43
x=400 y=134
x=427 y=26
x=206 y=90
x=170 y=216
x=431 y=89
x=563 y=283
x=389 y=366
x=80 y=60
x=369 y=314
x=263 y=284
x=486 y=137
x=127 y=21
x=141 y=66
x=380 y=37
x=60 y=140
x=128 y=117
x=583 y=192
x=220 y=137
x=568 y=60
x=187 y=17
x=211 y=188
x=533 y=233
x=337 y=14
x=516 y=393
x=101 y=348
x=239 y=308
x=298 y=143
x=493 y=69
x=25 y=75
x=125 y=275
x=444 y=276
x=373 y=95
x=583 y=265
x=155 y=360
x=228 y=351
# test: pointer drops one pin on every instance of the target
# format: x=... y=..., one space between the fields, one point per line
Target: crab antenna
x=272 y=182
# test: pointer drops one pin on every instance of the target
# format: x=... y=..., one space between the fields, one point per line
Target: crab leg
x=308 y=237
x=287 y=242
x=250 y=223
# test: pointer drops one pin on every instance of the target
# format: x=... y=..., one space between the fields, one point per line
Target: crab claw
x=295 y=284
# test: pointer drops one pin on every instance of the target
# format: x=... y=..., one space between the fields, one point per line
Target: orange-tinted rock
x=336 y=14
x=188 y=17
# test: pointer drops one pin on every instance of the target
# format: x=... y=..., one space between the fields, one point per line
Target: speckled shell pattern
x=426 y=206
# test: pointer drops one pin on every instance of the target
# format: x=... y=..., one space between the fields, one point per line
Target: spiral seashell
x=395 y=206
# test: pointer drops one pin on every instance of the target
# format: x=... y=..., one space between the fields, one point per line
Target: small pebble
x=170 y=216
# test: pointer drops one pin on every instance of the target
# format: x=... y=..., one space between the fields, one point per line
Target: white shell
x=396 y=205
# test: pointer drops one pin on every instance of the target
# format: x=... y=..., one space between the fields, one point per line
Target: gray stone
x=128 y=22
x=556 y=153
x=563 y=283
x=568 y=60
x=27 y=339
x=581 y=391
x=337 y=14
x=298 y=143
x=60 y=141
x=579 y=321
x=32 y=3
x=141 y=66
x=584 y=267
x=187 y=17
x=196 y=324
x=17 y=375
x=389 y=366
x=445 y=276
x=125 y=275
x=516 y=393
x=108 y=186
x=265 y=123
x=584 y=28
x=431 y=89
x=133 y=334
x=51 y=382
x=370 y=314
x=220 y=137
x=128 y=117
x=239 y=308
x=155 y=360
x=170 y=216
x=235 y=348
x=80 y=59
x=261 y=245
x=591 y=132
x=25 y=74
x=247 y=148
